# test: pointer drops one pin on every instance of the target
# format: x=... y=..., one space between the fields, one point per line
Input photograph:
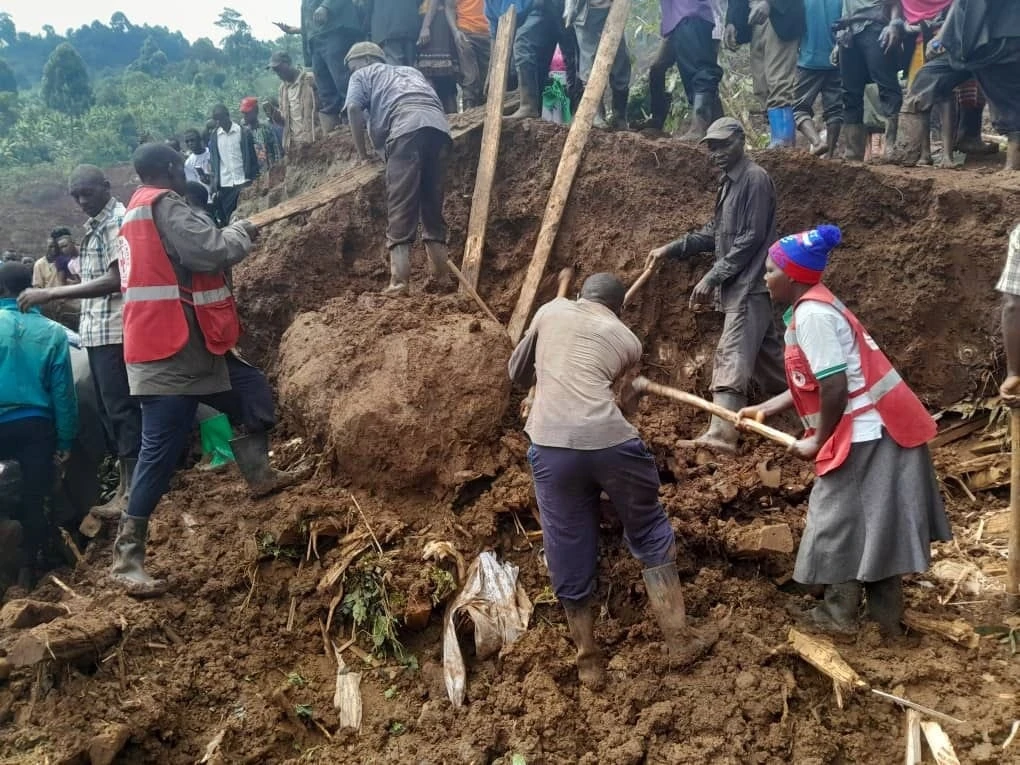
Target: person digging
x=581 y=446
x=408 y=128
x=875 y=506
x=180 y=331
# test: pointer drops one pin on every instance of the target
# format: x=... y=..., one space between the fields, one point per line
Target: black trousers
x=120 y=412
x=697 y=56
x=31 y=441
x=865 y=62
x=415 y=177
x=999 y=78
x=225 y=203
x=814 y=82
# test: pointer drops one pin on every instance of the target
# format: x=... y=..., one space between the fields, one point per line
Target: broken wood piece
x=473 y=294
x=24 y=613
x=959 y=431
x=492 y=130
x=939 y=743
x=913 y=736
x=823 y=656
x=82 y=635
x=758 y=539
x=353 y=545
x=70 y=544
x=570 y=160
x=958 y=631
x=212 y=748
x=996 y=524
x=908 y=704
x=347 y=696
x=1013 y=569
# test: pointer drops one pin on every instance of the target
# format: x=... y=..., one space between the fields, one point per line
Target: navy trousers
x=568 y=483
x=32 y=441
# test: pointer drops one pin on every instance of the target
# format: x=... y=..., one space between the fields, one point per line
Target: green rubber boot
x=216 y=435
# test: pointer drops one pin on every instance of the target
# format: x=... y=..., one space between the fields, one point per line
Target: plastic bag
x=556 y=102
x=500 y=610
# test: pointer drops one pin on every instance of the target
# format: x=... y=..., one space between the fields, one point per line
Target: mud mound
x=403 y=395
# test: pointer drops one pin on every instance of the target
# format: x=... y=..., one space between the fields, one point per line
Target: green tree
x=8 y=83
x=233 y=22
x=203 y=49
x=66 y=86
x=8 y=32
x=151 y=59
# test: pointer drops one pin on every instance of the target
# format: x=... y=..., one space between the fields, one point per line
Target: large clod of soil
x=405 y=394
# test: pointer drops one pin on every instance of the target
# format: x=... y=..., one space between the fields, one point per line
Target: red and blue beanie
x=803 y=256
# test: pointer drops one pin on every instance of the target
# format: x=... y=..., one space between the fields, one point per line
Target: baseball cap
x=364 y=50
x=723 y=129
x=278 y=57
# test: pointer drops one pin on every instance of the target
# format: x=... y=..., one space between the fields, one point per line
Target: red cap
x=249 y=104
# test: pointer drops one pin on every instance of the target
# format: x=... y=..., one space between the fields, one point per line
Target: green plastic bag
x=556 y=102
x=216 y=434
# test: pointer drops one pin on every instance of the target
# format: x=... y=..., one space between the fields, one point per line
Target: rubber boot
x=885 y=604
x=400 y=270
x=970 y=141
x=838 y=610
x=721 y=436
x=782 y=129
x=809 y=131
x=832 y=132
x=528 y=88
x=252 y=454
x=701 y=113
x=660 y=102
x=590 y=662
x=440 y=277
x=620 y=100
x=1013 y=151
x=665 y=597
x=328 y=122
x=599 y=120
x=892 y=125
x=216 y=434
x=947 y=120
x=856 y=138
x=910 y=130
x=117 y=506
x=128 y=569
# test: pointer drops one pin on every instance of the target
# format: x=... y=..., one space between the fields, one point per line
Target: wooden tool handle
x=644 y=385
x=566 y=276
x=639 y=283
x=1013 y=564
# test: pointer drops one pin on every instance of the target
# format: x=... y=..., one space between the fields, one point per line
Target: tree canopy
x=66 y=86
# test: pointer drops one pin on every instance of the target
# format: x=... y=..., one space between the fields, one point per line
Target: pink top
x=918 y=10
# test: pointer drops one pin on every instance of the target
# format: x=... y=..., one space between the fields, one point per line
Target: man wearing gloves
x=581 y=445
x=406 y=124
x=739 y=235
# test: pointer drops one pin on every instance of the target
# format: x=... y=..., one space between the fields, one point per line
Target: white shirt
x=231 y=157
x=196 y=162
x=828 y=342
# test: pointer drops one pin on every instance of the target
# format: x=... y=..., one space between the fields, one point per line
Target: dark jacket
x=787 y=17
x=251 y=159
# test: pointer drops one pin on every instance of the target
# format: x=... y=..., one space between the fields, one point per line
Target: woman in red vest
x=875 y=506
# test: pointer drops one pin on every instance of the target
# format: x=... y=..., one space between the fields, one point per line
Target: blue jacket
x=35 y=371
x=496 y=8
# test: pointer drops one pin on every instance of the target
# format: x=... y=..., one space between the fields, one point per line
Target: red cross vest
x=155 y=326
x=904 y=416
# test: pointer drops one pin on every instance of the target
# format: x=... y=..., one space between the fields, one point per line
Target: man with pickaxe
x=739 y=234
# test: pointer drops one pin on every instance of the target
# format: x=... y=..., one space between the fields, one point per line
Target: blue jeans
x=167 y=423
x=32 y=441
x=568 y=483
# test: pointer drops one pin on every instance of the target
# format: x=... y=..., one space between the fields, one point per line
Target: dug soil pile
x=404 y=408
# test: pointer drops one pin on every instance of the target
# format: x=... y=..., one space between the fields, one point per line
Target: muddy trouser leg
x=474 y=68
x=780 y=68
x=809 y=84
x=882 y=69
x=255 y=412
x=743 y=340
x=403 y=189
x=330 y=100
x=758 y=76
x=399 y=51
x=32 y=442
x=333 y=50
x=697 y=60
x=121 y=412
x=435 y=150
x=1001 y=86
x=769 y=367
x=832 y=98
x=628 y=474
x=659 y=100
x=568 y=503
x=569 y=48
x=166 y=425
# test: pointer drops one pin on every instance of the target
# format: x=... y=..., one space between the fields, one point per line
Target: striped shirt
x=1009 y=281
x=101 y=319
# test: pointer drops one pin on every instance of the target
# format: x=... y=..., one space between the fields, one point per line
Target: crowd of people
x=148 y=286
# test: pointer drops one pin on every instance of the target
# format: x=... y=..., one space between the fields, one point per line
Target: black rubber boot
x=1013 y=151
x=590 y=662
x=528 y=88
x=832 y=131
x=117 y=506
x=856 y=140
x=128 y=569
x=251 y=452
x=839 y=609
x=665 y=597
x=911 y=130
x=891 y=130
x=808 y=130
x=400 y=270
x=620 y=99
x=701 y=118
x=885 y=604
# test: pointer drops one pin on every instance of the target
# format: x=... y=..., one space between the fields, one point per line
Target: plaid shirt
x=102 y=322
x=1009 y=282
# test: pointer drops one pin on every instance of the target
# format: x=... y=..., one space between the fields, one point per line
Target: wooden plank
x=354 y=178
x=821 y=654
x=499 y=67
x=1013 y=570
x=570 y=160
x=958 y=431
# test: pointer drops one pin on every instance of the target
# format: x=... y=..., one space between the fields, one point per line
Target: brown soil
x=406 y=405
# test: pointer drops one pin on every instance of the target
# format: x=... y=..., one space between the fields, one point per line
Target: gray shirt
x=192 y=243
x=740 y=234
x=398 y=99
x=580 y=350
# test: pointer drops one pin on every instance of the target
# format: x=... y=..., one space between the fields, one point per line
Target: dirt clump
x=403 y=395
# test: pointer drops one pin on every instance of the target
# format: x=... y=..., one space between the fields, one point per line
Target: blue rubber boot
x=782 y=127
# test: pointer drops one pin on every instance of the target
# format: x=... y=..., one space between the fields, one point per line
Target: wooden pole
x=644 y=385
x=1013 y=570
x=499 y=67
x=639 y=283
x=466 y=286
x=570 y=160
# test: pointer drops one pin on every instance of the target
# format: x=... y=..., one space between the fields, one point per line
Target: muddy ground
x=237 y=652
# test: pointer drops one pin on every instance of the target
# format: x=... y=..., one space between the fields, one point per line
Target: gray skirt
x=873 y=517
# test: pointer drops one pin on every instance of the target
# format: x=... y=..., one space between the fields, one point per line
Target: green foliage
x=66 y=85
x=8 y=83
x=367 y=605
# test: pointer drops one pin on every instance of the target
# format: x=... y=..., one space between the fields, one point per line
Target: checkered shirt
x=102 y=321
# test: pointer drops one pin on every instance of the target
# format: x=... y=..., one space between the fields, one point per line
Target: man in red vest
x=875 y=506
x=180 y=329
